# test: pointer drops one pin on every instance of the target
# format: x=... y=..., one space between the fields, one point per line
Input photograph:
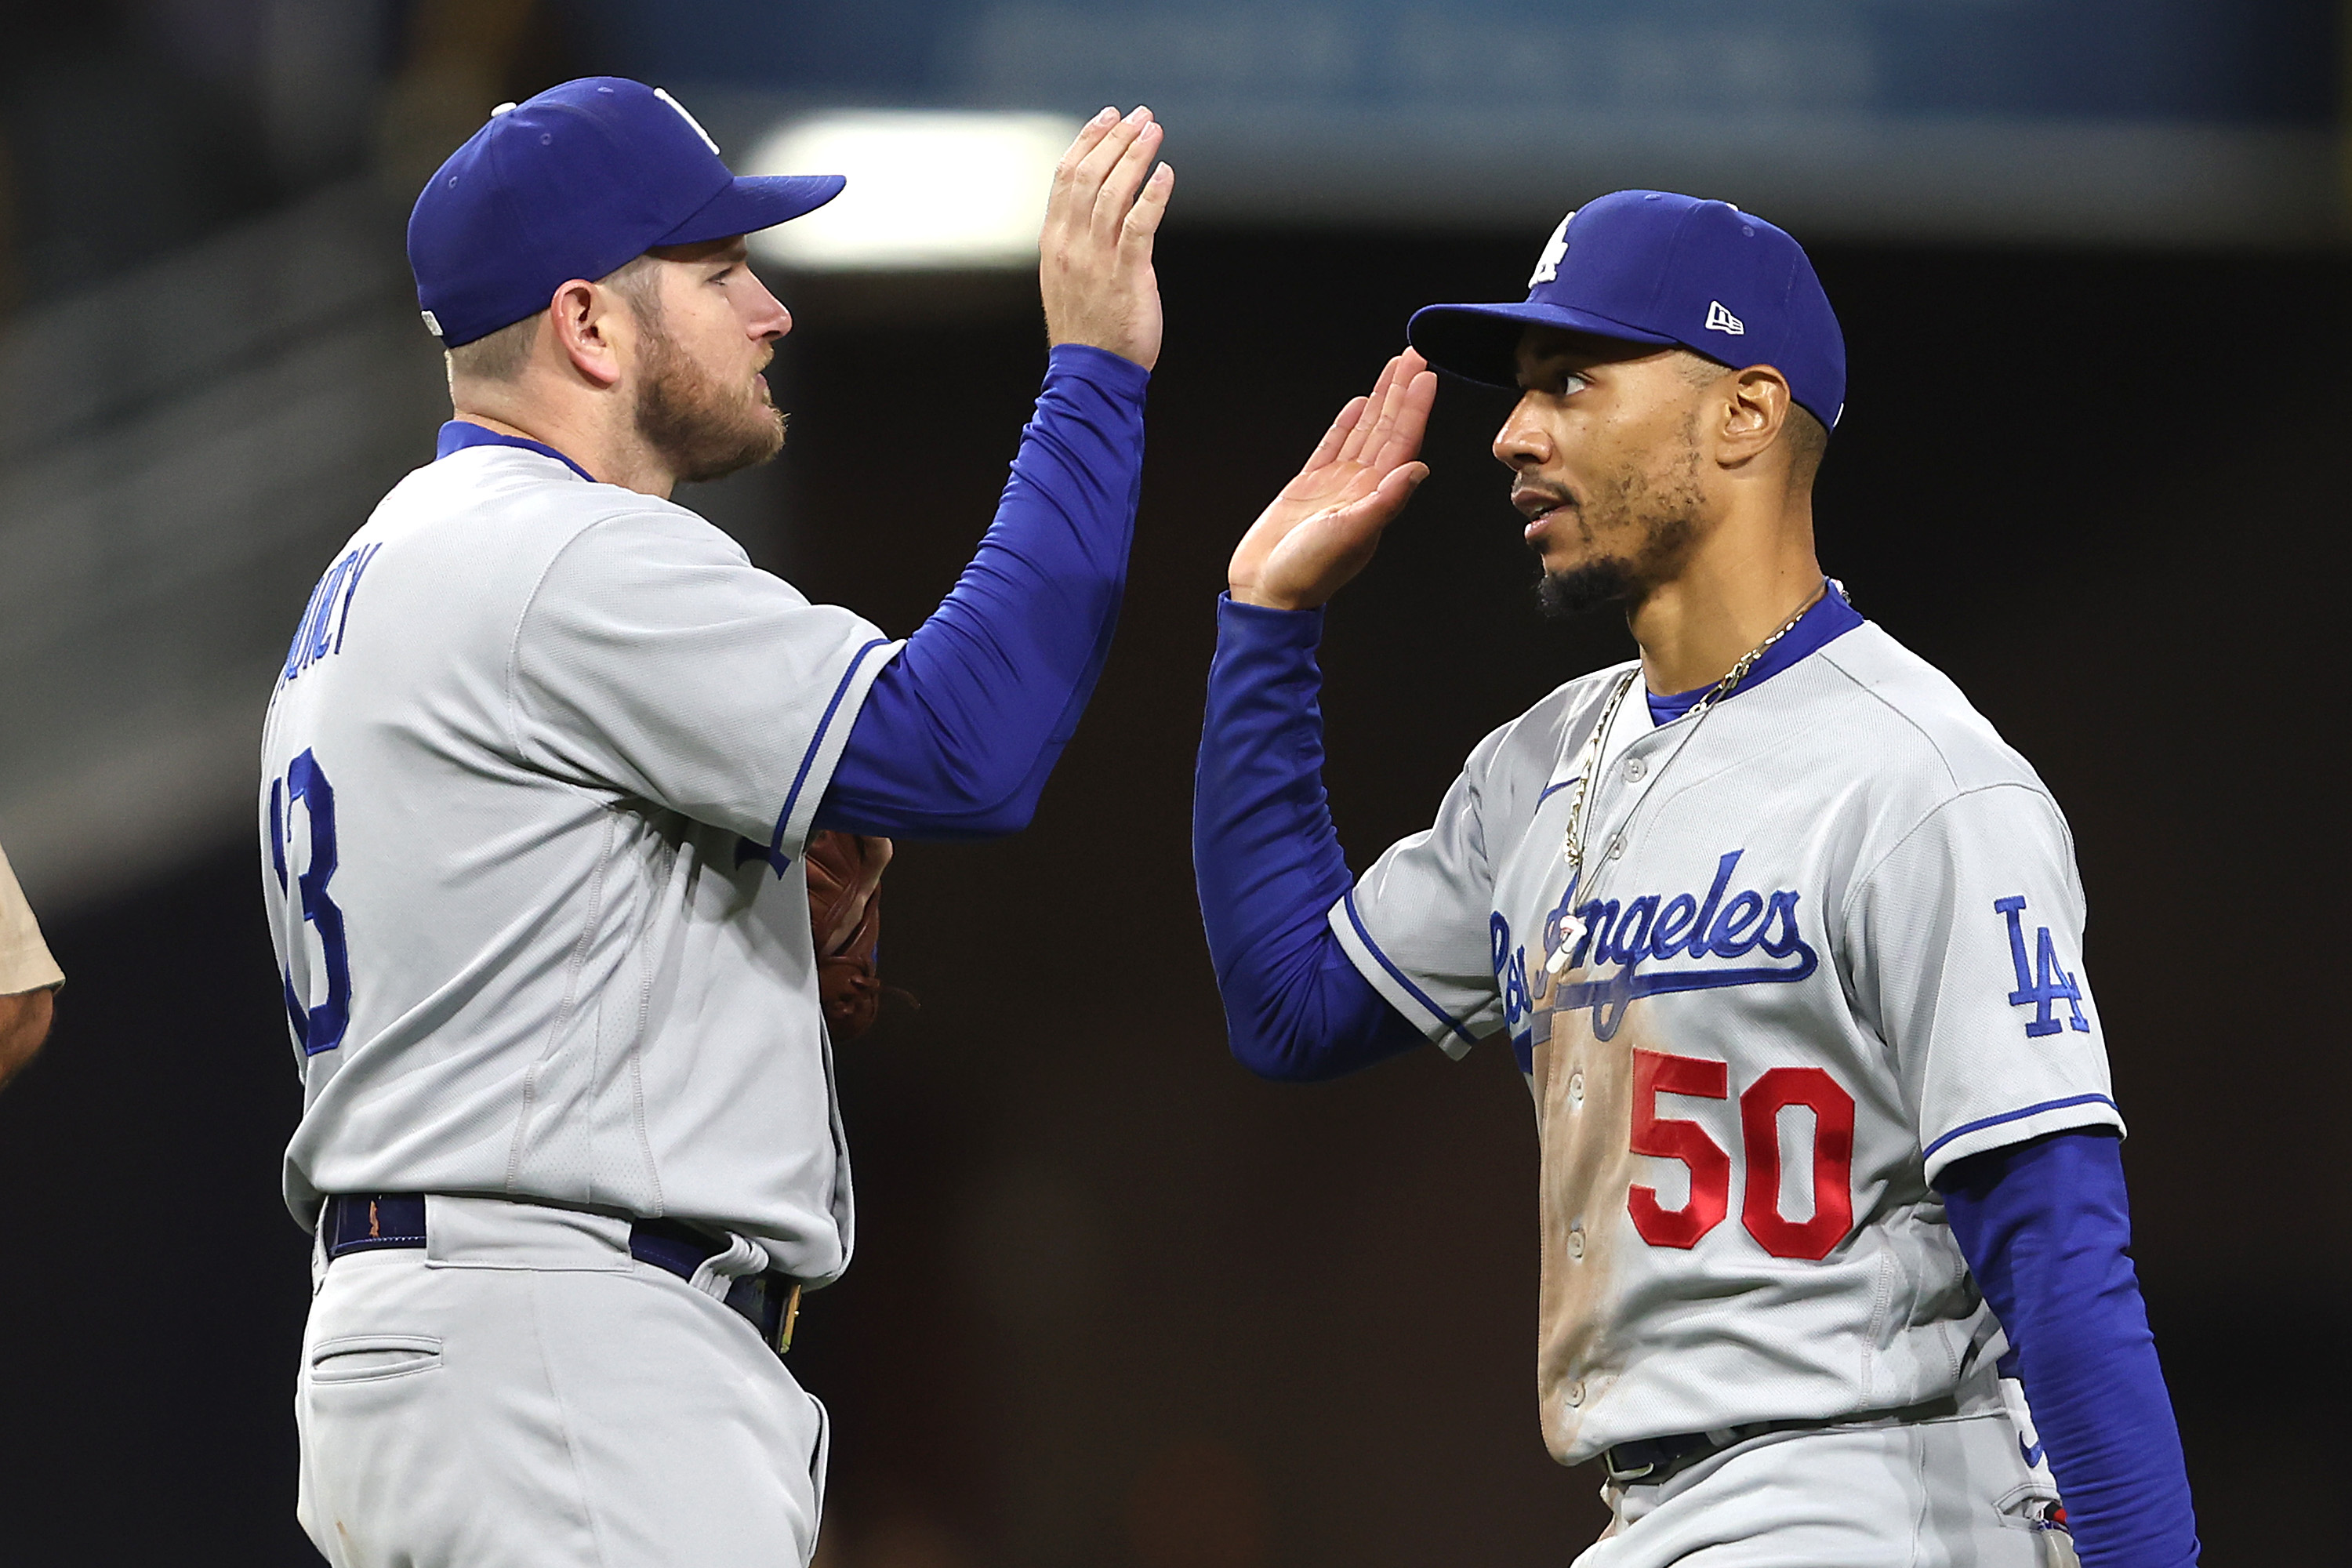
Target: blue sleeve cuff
x=1114 y=375
x=1250 y=625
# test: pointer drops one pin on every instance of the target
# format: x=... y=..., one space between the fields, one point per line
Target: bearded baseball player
x=1787 y=942
x=541 y=778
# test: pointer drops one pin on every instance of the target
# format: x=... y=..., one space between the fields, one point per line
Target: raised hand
x=1326 y=523
x=1094 y=261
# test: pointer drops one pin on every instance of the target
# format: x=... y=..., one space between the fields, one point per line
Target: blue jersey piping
x=1416 y=992
x=776 y=857
x=1831 y=617
x=456 y=435
x=1978 y=1126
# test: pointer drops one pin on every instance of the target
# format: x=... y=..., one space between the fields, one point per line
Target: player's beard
x=702 y=428
x=1651 y=521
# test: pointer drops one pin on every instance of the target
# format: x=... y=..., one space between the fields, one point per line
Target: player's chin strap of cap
x=1650 y=1460
x=769 y=1300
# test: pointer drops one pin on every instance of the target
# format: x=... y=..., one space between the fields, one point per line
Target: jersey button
x=1576 y=1245
x=1576 y=1089
x=1635 y=767
x=1617 y=847
x=1573 y=1393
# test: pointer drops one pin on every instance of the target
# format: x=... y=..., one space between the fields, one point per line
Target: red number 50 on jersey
x=1656 y=1073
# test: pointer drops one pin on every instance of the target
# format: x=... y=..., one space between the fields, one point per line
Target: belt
x=769 y=1302
x=1647 y=1461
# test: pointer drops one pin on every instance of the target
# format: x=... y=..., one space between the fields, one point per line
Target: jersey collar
x=459 y=434
x=1831 y=618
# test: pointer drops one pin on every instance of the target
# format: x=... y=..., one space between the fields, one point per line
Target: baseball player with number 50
x=544 y=777
x=1787 y=942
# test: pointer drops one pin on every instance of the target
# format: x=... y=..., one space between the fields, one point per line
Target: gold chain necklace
x=1572 y=926
x=1738 y=672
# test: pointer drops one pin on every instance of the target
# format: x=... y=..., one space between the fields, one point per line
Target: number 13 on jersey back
x=302 y=834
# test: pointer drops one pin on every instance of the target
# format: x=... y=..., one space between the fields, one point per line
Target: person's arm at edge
x=24 y=1024
x=1268 y=863
x=29 y=977
x=2044 y=1225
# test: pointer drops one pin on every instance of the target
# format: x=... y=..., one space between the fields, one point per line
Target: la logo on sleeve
x=2044 y=982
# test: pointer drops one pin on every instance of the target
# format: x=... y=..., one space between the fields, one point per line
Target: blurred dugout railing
x=181 y=450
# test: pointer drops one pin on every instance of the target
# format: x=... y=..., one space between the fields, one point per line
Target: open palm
x=1326 y=523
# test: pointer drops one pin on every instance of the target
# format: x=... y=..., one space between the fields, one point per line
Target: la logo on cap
x=1555 y=249
x=1719 y=320
x=662 y=93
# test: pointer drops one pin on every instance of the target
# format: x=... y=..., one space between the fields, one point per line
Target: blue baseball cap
x=581 y=180
x=1650 y=267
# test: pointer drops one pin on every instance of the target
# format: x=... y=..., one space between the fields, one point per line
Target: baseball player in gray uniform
x=537 y=779
x=1787 y=942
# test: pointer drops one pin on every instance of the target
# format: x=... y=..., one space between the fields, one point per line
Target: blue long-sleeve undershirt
x=2044 y=1225
x=958 y=732
x=1268 y=861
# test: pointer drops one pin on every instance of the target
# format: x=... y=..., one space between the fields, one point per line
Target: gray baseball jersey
x=536 y=779
x=1833 y=944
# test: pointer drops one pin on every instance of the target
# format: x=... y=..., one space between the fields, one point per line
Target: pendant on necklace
x=1571 y=936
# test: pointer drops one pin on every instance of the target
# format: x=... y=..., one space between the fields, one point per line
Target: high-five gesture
x=1094 y=261
x=1324 y=527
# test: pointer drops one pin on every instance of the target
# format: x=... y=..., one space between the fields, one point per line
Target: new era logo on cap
x=1719 y=320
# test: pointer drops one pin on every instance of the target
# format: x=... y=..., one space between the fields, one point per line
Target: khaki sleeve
x=25 y=961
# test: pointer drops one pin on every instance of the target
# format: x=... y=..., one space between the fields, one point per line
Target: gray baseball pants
x=522 y=1391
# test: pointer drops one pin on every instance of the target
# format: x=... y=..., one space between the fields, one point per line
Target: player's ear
x=584 y=318
x=1754 y=411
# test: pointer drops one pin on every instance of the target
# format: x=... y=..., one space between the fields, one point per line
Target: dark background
x=1116 y=1301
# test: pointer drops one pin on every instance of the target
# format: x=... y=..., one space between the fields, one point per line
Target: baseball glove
x=844 y=893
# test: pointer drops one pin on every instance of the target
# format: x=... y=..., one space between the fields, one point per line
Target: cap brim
x=750 y=203
x=1481 y=343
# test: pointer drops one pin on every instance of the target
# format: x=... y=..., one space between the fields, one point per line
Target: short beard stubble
x=702 y=430
x=1659 y=511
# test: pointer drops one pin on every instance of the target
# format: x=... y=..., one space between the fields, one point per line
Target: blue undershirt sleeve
x=1268 y=862
x=2044 y=1225
x=958 y=732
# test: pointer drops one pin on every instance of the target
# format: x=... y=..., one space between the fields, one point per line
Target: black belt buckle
x=1635 y=1461
x=768 y=1301
x=773 y=1303
x=1654 y=1460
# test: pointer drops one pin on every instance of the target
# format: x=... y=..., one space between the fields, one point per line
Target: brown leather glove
x=844 y=893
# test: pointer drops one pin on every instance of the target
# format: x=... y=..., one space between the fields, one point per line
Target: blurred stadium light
x=927 y=191
x=2143 y=122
